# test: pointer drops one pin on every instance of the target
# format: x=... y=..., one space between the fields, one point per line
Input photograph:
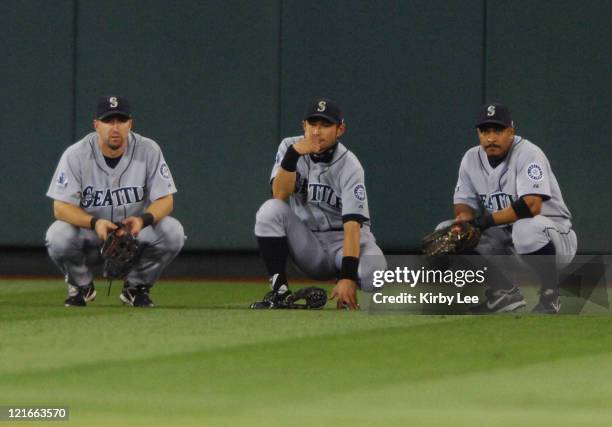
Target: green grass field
x=202 y=359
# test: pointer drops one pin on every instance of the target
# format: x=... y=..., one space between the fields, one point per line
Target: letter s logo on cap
x=113 y=102
x=491 y=111
x=322 y=106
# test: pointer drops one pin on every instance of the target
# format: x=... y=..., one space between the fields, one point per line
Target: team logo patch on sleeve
x=164 y=171
x=359 y=192
x=62 y=180
x=534 y=172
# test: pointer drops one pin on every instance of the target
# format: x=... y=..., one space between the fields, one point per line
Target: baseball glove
x=314 y=298
x=457 y=238
x=119 y=252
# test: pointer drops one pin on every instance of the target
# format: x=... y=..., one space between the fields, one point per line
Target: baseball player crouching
x=319 y=211
x=506 y=187
x=112 y=176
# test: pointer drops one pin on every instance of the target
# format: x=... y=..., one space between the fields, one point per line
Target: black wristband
x=290 y=160
x=521 y=209
x=147 y=219
x=350 y=265
x=92 y=222
x=484 y=221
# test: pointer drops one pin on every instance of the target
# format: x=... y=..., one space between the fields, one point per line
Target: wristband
x=290 y=160
x=484 y=221
x=521 y=209
x=147 y=219
x=92 y=222
x=350 y=265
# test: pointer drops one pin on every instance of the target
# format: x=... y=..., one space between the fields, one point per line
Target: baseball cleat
x=278 y=285
x=549 y=303
x=89 y=293
x=75 y=301
x=500 y=301
x=79 y=296
x=261 y=305
x=272 y=300
x=136 y=297
x=276 y=298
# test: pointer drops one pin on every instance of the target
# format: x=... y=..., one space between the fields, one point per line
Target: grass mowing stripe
x=414 y=353
x=284 y=375
x=566 y=392
x=202 y=359
x=71 y=335
x=187 y=332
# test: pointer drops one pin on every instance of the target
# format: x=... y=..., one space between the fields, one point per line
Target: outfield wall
x=218 y=83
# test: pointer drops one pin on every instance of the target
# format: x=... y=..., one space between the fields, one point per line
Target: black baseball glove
x=314 y=298
x=120 y=252
x=458 y=238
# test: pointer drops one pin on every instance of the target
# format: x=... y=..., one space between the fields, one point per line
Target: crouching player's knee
x=61 y=239
x=171 y=232
x=529 y=235
x=270 y=219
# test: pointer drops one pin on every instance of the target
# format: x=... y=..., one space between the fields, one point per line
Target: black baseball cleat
x=272 y=299
x=79 y=296
x=500 y=301
x=261 y=305
x=89 y=292
x=75 y=301
x=276 y=298
x=136 y=297
x=549 y=303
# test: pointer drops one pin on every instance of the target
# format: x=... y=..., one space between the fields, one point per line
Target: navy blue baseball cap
x=324 y=108
x=495 y=114
x=113 y=105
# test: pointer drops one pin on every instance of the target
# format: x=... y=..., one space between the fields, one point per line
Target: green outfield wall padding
x=218 y=84
x=203 y=78
x=551 y=61
x=35 y=112
x=408 y=75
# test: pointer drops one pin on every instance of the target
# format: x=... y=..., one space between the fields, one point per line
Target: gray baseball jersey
x=83 y=178
x=325 y=193
x=524 y=171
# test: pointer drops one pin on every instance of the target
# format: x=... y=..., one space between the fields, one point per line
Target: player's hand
x=134 y=224
x=464 y=217
x=103 y=227
x=346 y=292
x=308 y=145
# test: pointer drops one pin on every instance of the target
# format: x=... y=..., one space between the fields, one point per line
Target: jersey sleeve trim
x=354 y=217
x=66 y=199
x=544 y=197
x=464 y=201
x=173 y=191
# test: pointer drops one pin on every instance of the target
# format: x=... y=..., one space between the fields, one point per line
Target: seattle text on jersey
x=496 y=201
x=324 y=193
x=92 y=197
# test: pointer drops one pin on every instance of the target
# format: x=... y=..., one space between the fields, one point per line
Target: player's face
x=113 y=132
x=323 y=131
x=495 y=140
